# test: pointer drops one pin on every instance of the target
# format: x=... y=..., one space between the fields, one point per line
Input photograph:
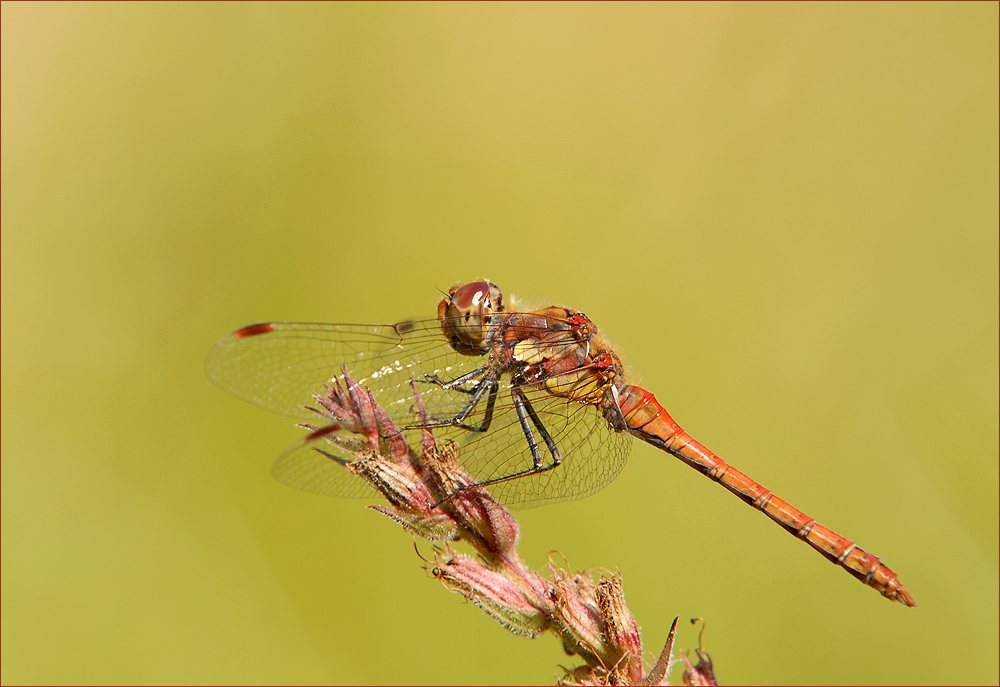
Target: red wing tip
x=253 y=330
x=322 y=432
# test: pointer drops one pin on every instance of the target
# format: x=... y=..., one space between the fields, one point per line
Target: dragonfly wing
x=592 y=454
x=316 y=464
x=278 y=366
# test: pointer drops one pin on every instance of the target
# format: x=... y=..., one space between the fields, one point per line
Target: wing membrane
x=278 y=366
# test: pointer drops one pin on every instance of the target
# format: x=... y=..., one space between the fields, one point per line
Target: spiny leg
x=461 y=379
x=525 y=413
x=492 y=387
x=546 y=437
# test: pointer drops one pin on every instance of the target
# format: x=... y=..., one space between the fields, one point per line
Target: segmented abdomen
x=645 y=418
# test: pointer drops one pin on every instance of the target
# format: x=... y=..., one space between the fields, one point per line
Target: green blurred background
x=785 y=215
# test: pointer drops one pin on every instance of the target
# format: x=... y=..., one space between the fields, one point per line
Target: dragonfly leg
x=521 y=401
x=522 y=406
x=485 y=386
x=527 y=416
x=452 y=384
x=481 y=387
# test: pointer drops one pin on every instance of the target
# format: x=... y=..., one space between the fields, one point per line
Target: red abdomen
x=646 y=419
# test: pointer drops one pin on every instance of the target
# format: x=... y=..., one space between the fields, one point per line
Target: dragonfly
x=538 y=401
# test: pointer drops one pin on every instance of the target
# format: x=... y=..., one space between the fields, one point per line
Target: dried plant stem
x=431 y=496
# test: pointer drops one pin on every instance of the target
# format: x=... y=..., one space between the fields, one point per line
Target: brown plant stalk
x=432 y=497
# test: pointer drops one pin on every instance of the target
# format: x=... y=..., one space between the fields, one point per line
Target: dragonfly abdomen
x=646 y=419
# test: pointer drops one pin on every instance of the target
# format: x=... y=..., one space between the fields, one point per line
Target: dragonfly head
x=466 y=314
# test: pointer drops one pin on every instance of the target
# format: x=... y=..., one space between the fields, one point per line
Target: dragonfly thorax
x=466 y=315
x=561 y=350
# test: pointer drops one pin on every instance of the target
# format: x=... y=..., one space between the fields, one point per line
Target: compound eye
x=471 y=299
x=465 y=315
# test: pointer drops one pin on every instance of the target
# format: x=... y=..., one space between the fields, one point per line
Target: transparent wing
x=307 y=465
x=592 y=454
x=279 y=366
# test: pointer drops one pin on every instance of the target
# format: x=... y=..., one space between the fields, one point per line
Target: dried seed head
x=491 y=528
x=498 y=596
x=398 y=483
x=621 y=632
x=575 y=613
x=431 y=496
x=435 y=527
x=700 y=674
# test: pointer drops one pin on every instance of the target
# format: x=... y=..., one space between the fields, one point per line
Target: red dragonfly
x=538 y=401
